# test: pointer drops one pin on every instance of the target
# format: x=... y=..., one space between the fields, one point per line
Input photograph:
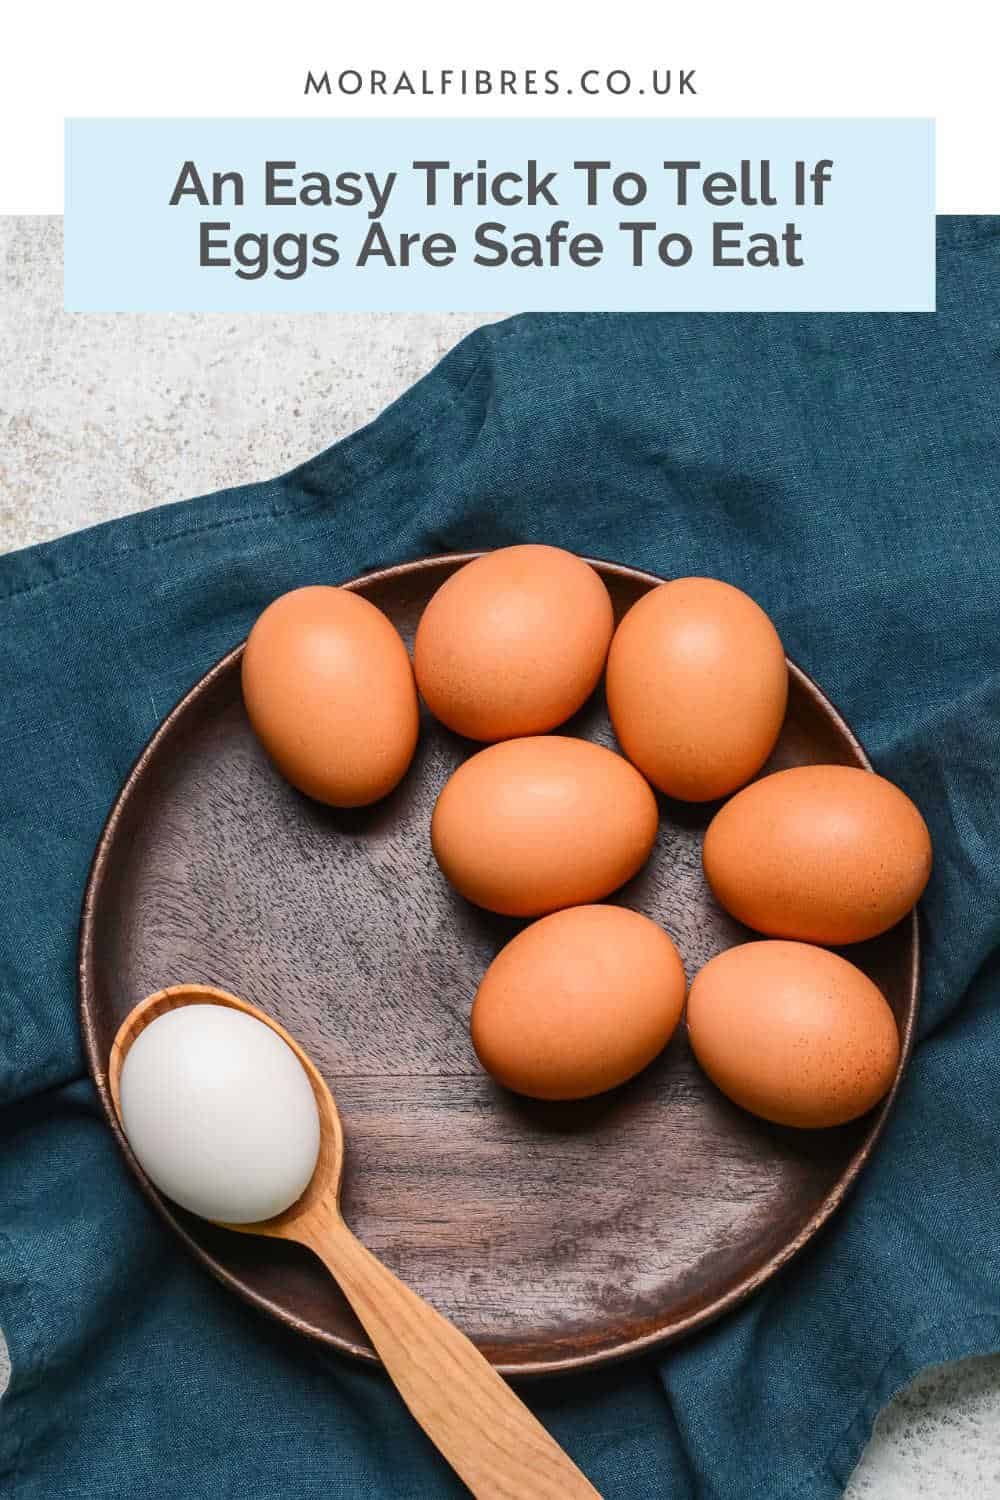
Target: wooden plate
x=557 y=1236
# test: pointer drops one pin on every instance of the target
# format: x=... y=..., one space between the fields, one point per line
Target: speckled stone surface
x=105 y=414
x=102 y=415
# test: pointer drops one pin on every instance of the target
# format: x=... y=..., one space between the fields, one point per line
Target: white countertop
x=102 y=415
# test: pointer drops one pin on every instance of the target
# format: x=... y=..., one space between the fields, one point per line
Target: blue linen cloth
x=846 y=471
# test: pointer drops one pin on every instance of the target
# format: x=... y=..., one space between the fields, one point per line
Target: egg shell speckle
x=513 y=643
x=531 y=825
x=793 y=1033
x=578 y=1003
x=822 y=854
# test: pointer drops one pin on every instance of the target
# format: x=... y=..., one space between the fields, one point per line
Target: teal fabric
x=845 y=470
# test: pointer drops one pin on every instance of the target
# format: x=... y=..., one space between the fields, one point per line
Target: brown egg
x=513 y=643
x=329 y=689
x=697 y=686
x=578 y=1002
x=531 y=825
x=826 y=854
x=793 y=1033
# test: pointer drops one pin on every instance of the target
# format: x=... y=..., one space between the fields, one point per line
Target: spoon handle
x=468 y=1411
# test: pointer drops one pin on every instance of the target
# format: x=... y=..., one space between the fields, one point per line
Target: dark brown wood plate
x=557 y=1236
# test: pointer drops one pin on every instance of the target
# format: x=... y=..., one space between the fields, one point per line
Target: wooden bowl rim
x=628 y=1348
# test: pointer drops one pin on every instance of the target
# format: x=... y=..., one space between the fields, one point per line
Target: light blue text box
x=870 y=247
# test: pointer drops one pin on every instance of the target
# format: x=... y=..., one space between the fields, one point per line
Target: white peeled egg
x=220 y=1113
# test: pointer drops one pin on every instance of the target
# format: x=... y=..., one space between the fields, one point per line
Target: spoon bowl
x=324 y=1186
x=476 y=1421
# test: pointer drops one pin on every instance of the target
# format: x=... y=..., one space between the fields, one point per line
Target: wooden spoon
x=477 y=1422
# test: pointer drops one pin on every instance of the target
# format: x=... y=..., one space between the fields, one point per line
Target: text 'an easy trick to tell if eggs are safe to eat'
x=440 y=184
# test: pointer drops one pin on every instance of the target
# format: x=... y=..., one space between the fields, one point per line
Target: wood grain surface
x=555 y=1235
